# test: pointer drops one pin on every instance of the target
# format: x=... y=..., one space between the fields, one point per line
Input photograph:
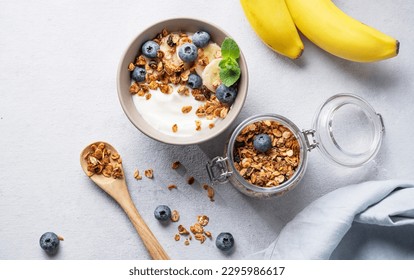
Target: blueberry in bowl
x=201 y=38
x=188 y=52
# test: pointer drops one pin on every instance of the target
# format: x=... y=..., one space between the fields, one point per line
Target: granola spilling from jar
x=266 y=153
x=183 y=82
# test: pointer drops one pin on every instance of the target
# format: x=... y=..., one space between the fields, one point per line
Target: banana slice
x=211 y=75
x=211 y=51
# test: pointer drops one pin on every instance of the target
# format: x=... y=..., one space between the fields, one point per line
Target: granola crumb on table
x=210 y=191
x=175 y=165
x=136 y=174
x=190 y=180
x=149 y=173
x=197 y=229
x=175 y=216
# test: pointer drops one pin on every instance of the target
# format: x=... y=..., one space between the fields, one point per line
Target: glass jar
x=346 y=129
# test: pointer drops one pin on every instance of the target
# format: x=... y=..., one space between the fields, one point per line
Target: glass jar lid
x=347 y=130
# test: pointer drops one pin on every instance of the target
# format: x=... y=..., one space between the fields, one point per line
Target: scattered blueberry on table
x=162 y=213
x=225 y=241
x=49 y=242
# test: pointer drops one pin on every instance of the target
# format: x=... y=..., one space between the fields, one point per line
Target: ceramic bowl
x=124 y=81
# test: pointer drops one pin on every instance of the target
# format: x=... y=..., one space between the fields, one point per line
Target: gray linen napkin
x=318 y=229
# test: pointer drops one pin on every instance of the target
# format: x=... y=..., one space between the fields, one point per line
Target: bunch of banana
x=325 y=25
x=272 y=22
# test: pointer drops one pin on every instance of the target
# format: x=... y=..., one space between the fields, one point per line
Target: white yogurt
x=162 y=111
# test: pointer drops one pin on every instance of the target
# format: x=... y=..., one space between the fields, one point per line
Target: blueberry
x=49 y=242
x=262 y=143
x=201 y=39
x=138 y=74
x=188 y=52
x=226 y=94
x=162 y=213
x=236 y=158
x=225 y=241
x=194 y=81
x=150 y=49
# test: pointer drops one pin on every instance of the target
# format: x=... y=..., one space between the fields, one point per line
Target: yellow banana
x=272 y=22
x=339 y=34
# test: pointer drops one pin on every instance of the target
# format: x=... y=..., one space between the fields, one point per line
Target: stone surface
x=58 y=63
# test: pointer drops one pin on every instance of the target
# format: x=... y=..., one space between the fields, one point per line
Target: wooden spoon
x=118 y=190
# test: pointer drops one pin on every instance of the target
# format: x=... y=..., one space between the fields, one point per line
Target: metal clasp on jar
x=310 y=133
x=218 y=170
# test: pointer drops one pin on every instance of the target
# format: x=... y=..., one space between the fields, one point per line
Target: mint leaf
x=229 y=71
x=230 y=49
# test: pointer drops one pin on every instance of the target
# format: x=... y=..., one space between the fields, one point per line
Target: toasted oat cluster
x=212 y=109
x=167 y=71
x=273 y=167
x=102 y=160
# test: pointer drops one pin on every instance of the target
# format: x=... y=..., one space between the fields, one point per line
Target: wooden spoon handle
x=150 y=241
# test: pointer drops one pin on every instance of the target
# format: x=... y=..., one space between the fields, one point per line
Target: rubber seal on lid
x=348 y=130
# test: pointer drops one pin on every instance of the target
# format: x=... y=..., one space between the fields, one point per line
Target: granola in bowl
x=176 y=82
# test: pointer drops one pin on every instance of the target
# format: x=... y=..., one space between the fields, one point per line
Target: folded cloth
x=318 y=229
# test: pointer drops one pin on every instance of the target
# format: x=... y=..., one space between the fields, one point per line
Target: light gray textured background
x=58 y=62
